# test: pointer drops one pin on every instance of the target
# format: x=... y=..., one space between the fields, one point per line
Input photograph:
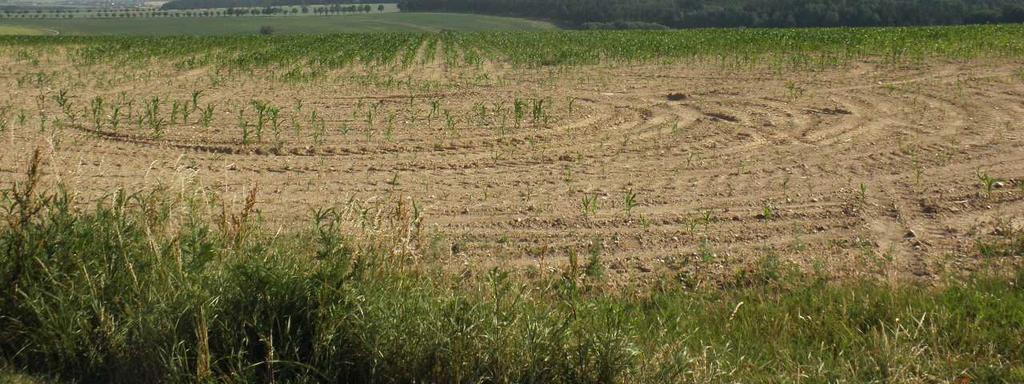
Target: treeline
x=739 y=13
x=332 y=9
x=201 y=4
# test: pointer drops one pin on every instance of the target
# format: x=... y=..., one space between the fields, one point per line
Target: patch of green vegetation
x=250 y=25
x=20 y=30
x=158 y=286
x=785 y=48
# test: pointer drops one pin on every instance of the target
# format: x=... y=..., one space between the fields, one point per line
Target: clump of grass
x=1005 y=240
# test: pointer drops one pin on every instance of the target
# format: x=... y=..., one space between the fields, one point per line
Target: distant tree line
x=58 y=13
x=739 y=13
x=200 y=4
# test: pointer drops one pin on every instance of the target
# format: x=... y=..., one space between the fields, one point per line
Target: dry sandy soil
x=860 y=170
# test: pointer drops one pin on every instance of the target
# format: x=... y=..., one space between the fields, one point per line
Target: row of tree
x=333 y=9
x=740 y=13
x=200 y=4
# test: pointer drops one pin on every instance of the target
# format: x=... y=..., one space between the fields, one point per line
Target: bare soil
x=861 y=170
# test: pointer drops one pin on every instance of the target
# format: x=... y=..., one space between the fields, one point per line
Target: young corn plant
x=481 y=113
x=988 y=183
x=370 y=115
x=261 y=118
x=186 y=112
x=537 y=112
x=588 y=205
x=767 y=212
x=5 y=112
x=275 y=126
x=389 y=127
x=206 y=116
x=175 y=110
x=518 y=109
x=435 y=106
x=153 y=119
x=243 y=124
x=115 y=116
x=63 y=100
x=629 y=202
x=96 y=110
x=449 y=121
x=195 y=99
x=21 y=118
x=319 y=127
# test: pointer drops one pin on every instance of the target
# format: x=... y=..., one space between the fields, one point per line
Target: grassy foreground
x=175 y=285
x=250 y=25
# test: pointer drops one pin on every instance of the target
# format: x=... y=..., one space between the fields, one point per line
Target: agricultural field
x=608 y=201
x=25 y=31
x=250 y=25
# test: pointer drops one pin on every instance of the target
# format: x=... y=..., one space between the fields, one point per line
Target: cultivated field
x=694 y=206
x=17 y=30
x=693 y=168
x=250 y=25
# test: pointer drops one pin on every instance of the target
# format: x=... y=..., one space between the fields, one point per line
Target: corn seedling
x=186 y=112
x=175 y=110
x=21 y=118
x=794 y=90
x=319 y=127
x=115 y=116
x=261 y=118
x=987 y=182
x=629 y=201
x=243 y=125
x=435 y=106
x=153 y=119
x=588 y=204
x=63 y=100
x=96 y=109
x=389 y=126
x=206 y=115
x=449 y=121
x=275 y=125
x=705 y=250
x=5 y=112
x=767 y=212
x=518 y=107
x=195 y=99
x=537 y=111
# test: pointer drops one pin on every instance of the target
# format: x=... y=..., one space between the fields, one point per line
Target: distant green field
x=385 y=22
x=21 y=30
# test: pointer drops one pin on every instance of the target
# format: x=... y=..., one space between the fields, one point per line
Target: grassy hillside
x=386 y=22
